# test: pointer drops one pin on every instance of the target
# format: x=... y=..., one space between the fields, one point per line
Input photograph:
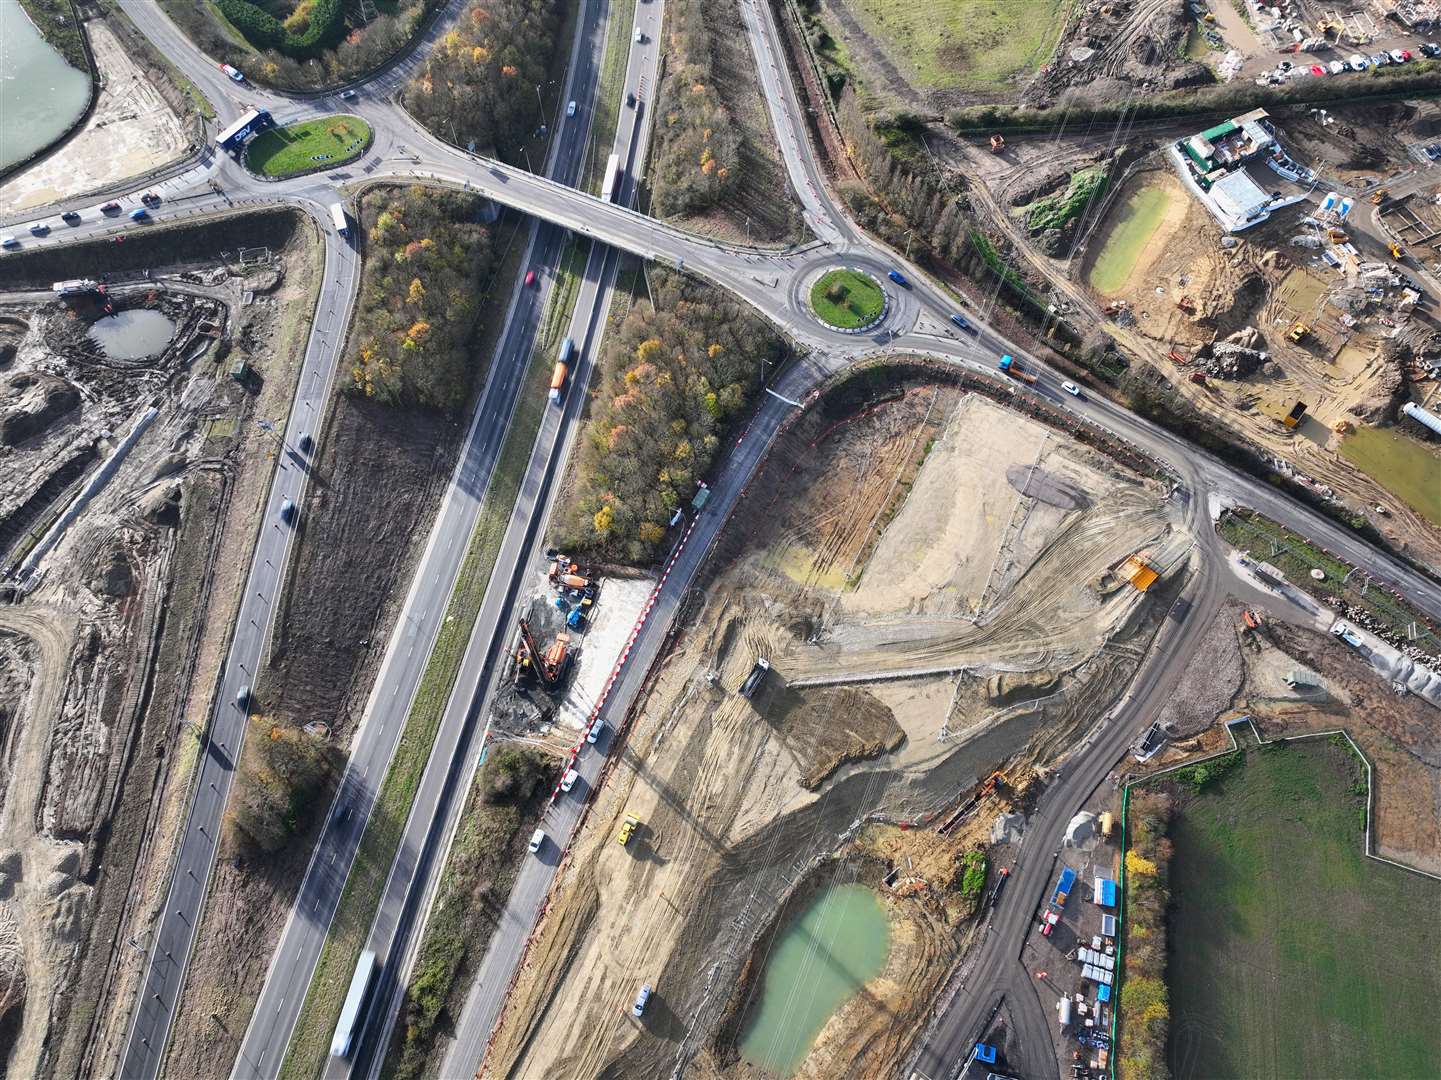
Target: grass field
x=308 y=146
x=1402 y=466
x=847 y=299
x=1138 y=218
x=1293 y=955
x=963 y=44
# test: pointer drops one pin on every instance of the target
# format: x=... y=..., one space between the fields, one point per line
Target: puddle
x=133 y=334
x=836 y=946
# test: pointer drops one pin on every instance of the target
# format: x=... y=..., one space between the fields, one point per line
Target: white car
x=595 y=730
x=1358 y=62
x=568 y=780
x=1397 y=56
x=640 y=1000
x=537 y=839
x=1336 y=67
x=1071 y=388
x=639 y=37
x=570 y=109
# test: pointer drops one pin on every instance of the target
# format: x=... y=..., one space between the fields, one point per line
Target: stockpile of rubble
x=1234 y=357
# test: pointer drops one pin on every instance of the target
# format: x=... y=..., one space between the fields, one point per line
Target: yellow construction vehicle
x=1298 y=332
x=1396 y=250
x=1379 y=196
x=1337 y=236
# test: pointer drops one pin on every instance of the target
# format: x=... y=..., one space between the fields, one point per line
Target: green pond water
x=1140 y=216
x=837 y=945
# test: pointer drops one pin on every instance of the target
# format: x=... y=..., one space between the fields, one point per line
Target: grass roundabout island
x=847 y=299
x=308 y=146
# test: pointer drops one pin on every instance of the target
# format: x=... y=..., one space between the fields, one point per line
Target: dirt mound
x=828 y=728
x=1007 y=688
x=12 y=965
x=30 y=402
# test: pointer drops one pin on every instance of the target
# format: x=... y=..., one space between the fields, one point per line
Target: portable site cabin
x=1105 y=893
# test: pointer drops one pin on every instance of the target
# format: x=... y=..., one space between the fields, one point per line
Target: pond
x=1137 y=220
x=839 y=943
x=40 y=94
x=132 y=334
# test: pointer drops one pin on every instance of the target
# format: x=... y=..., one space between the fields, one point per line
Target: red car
x=1317 y=70
x=529 y=278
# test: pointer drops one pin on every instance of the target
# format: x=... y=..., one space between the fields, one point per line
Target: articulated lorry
x=561 y=370
x=1012 y=367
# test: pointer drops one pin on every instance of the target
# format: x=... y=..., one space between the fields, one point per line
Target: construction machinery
x=1298 y=332
x=1379 y=196
x=548 y=666
x=627 y=829
x=1397 y=252
x=1337 y=236
x=1187 y=305
x=998 y=143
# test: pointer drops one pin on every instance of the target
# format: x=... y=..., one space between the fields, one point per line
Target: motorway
x=775 y=283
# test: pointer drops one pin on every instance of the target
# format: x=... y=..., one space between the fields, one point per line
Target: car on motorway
x=287 y=511
x=629 y=100
x=537 y=840
x=39 y=229
x=1336 y=67
x=70 y=217
x=9 y=242
x=306 y=442
x=570 y=108
x=150 y=198
x=111 y=207
x=235 y=73
x=640 y=37
x=242 y=697
x=347 y=95
x=1358 y=62
x=1072 y=389
x=139 y=214
x=529 y=278
x=963 y=323
x=898 y=278
x=640 y=1000
x=568 y=780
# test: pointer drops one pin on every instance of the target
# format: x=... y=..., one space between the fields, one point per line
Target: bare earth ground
x=747 y=807
x=131 y=131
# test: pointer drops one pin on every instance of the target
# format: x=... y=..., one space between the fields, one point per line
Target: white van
x=568 y=780
x=537 y=839
x=640 y=1000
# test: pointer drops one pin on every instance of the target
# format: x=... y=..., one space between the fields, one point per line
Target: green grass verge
x=1404 y=467
x=964 y=44
x=1265 y=540
x=561 y=302
x=609 y=94
x=1055 y=210
x=1292 y=954
x=847 y=299
x=308 y=146
x=56 y=22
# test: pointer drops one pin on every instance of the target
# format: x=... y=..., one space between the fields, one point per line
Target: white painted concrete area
x=618 y=605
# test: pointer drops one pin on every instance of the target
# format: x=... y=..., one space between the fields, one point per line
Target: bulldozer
x=1337 y=236
x=1298 y=333
x=998 y=143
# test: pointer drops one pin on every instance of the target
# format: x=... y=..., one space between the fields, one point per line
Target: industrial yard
x=903 y=671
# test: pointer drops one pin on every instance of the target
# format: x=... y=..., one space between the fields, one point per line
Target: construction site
x=128 y=465
x=923 y=599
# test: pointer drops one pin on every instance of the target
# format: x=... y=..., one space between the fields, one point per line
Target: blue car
x=895 y=275
x=139 y=214
x=963 y=323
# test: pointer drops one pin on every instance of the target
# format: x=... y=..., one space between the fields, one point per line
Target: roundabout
x=848 y=299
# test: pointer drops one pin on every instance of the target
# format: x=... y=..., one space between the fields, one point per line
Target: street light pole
x=540 y=104
x=526 y=152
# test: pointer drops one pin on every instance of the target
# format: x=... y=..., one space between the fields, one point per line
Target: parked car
x=1358 y=62
x=1430 y=48
x=1379 y=59
x=529 y=278
x=570 y=108
x=1336 y=67
x=1399 y=57
x=1317 y=70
